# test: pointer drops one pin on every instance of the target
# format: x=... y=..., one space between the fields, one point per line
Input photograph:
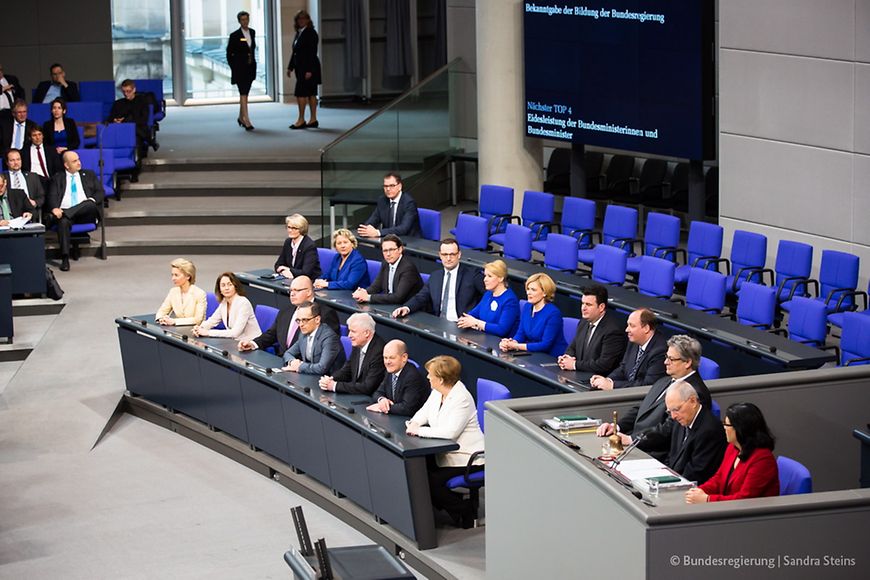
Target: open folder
x=640 y=471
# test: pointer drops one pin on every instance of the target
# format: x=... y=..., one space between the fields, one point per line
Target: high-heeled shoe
x=313 y=125
x=249 y=127
x=239 y=121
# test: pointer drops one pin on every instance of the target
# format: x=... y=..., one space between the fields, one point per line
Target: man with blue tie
x=451 y=291
x=395 y=213
x=403 y=390
x=75 y=196
x=15 y=132
x=318 y=351
x=644 y=359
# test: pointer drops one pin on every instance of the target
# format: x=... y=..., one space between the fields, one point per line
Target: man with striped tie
x=644 y=359
x=403 y=390
x=75 y=196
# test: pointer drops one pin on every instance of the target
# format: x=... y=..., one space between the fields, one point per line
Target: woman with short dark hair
x=305 y=63
x=234 y=310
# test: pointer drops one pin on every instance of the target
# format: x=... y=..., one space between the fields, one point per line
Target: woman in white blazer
x=449 y=413
x=234 y=310
x=185 y=301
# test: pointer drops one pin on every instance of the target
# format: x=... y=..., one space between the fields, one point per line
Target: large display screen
x=624 y=74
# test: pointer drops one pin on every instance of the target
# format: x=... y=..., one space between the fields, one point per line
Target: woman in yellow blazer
x=185 y=301
x=449 y=413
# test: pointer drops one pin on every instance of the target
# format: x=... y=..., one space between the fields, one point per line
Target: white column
x=507 y=157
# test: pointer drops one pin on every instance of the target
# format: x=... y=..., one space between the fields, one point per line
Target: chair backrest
x=569 y=328
x=610 y=265
x=620 y=222
x=680 y=181
x=154 y=86
x=794 y=478
x=748 y=250
x=656 y=277
x=39 y=113
x=662 y=231
x=518 y=243
x=715 y=409
x=118 y=136
x=855 y=339
x=838 y=270
x=705 y=290
x=430 y=223
x=558 y=178
x=496 y=200
x=653 y=173
x=593 y=161
x=807 y=321
x=538 y=211
x=425 y=277
x=211 y=303
x=325 y=257
x=578 y=214
x=705 y=239
x=374 y=267
x=793 y=260
x=265 y=316
x=85 y=111
x=471 y=231
x=708 y=369
x=90 y=159
x=756 y=305
x=561 y=253
x=347 y=345
x=99 y=91
x=620 y=169
x=488 y=390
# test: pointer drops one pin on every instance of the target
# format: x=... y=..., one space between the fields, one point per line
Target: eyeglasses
x=297 y=290
x=673 y=359
x=677 y=409
x=304 y=320
x=390 y=185
x=724 y=424
x=292 y=228
x=390 y=250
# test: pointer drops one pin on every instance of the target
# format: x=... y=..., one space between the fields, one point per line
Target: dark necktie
x=41 y=161
x=445 y=295
x=395 y=380
x=392 y=215
x=633 y=374
x=359 y=368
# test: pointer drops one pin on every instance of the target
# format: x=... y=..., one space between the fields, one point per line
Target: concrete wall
x=794 y=144
x=37 y=33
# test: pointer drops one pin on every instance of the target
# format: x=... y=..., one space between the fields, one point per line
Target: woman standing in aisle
x=304 y=61
x=242 y=58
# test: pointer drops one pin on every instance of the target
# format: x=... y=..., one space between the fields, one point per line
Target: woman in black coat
x=242 y=58
x=60 y=131
x=304 y=61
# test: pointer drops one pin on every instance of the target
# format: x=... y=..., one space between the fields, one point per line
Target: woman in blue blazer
x=348 y=270
x=540 y=320
x=499 y=309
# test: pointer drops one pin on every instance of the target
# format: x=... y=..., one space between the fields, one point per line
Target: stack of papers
x=572 y=422
x=639 y=471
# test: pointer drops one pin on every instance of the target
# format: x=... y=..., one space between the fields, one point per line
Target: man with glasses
x=693 y=435
x=397 y=280
x=57 y=87
x=284 y=332
x=318 y=351
x=451 y=291
x=15 y=130
x=681 y=365
x=395 y=213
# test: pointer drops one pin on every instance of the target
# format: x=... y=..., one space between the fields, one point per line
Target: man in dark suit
x=284 y=332
x=318 y=350
x=133 y=108
x=644 y=360
x=29 y=183
x=10 y=91
x=693 y=436
x=364 y=371
x=299 y=254
x=600 y=341
x=57 y=87
x=404 y=390
x=39 y=159
x=397 y=280
x=75 y=196
x=451 y=291
x=15 y=131
x=681 y=365
x=395 y=213
x=13 y=203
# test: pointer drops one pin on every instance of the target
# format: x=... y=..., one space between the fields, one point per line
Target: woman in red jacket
x=749 y=467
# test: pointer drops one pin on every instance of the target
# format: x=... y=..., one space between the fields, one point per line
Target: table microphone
x=628 y=449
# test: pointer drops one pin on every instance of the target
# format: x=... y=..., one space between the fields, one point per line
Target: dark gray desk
x=24 y=251
x=428 y=336
x=6 y=326
x=361 y=455
x=740 y=350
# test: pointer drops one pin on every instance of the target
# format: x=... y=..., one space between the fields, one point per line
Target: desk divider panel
x=182 y=384
x=390 y=490
x=222 y=393
x=347 y=463
x=141 y=361
x=306 y=441
x=264 y=418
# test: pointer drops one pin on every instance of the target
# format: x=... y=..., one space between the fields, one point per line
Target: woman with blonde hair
x=348 y=270
x=540 y=320
x=499 y=309
x=185 y=301
x=299 y=253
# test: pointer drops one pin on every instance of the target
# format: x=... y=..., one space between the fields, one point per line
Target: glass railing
x=411 y=135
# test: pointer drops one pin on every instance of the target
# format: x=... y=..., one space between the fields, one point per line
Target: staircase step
x=151 y=166
x=223 y=183
x=217 y=210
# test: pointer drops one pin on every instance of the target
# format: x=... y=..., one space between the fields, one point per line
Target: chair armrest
x=780 y=332
x=752 y=272
x=718 y=261
x=621 y=242
x=794 y=288
x=679 y=301
x=852 y=293
x=840 y=300
x=538 y=228
x=807 y=282
x=767 y=271
x=470 y=463
x=583 y=234
x=499 y=219
x=707 y=259
x=663 y=251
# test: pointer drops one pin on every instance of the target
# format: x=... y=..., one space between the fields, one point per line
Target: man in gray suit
x=318 y=351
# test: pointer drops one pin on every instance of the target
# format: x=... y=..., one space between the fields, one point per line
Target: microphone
x=628 y=449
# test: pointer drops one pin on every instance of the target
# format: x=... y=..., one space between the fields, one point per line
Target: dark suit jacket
x=407 y=218
x=327 y=354
x=72 y=133
x=651 y=411
x=694 y=453
x=606 y=348
x=68 y=94
x=276 y=335
x=238 y=54
x=307 y=263
x=18 y=203
x=90 y=183
x=651 y=368
x=18 y=92
x=34 y=187
x=303 y=58
x=412 y=390
x=406 y=283
x=469 y=289
x=53 y=162
x=6 y=128
x=348 y=380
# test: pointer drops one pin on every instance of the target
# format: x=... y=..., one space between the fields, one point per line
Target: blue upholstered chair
x=578 y=221
x=807 y=322
x=656 y=277
x=471 y=232
x=265 y=316
x=756 y=305
x=374 y=267
x=39 y=113
x=496 y=205
x=794 y=478
x=660 y=239
x=430 y=223
x=836 y=319
x=855 y=340
x=569 y=328
x=517 y=243
x=537 y=215
x=619 y=229
x=794 y=262
x=325 y=256
x=119 y=140
x=837 y=283
x=706 y=291
x=609 y=265
x=704 y=245
x=347 y=345
x=486 y=391
x=708 y=369
x=102 y=92
x=155 y=87
x=748 y=255
x=562 y=253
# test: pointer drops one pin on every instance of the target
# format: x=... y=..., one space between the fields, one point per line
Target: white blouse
x=454 y=418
